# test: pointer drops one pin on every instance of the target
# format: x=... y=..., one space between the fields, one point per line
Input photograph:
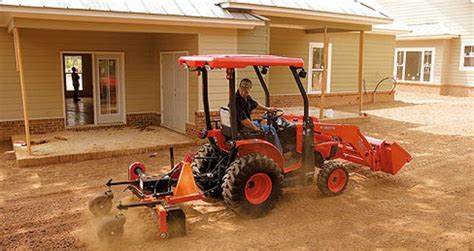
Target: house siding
x=378 y=55
x=10 y=94
x=456 y=15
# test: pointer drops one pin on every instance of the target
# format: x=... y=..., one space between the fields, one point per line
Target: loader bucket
x=393 y=157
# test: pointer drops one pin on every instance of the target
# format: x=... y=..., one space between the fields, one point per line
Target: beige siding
x=217 y=41
x=457 y=15
x=179 y=42
x=378 y=58
x=252 y=42
x=10 y=98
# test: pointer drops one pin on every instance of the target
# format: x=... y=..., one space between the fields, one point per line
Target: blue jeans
x=272 y=130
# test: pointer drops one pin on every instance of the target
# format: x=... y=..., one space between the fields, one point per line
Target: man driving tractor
x=245 y=105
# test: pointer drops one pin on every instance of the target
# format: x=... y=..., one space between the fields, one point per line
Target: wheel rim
x=337 y=180
x=258 y=188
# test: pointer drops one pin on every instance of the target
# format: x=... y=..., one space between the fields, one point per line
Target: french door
x=108 y=89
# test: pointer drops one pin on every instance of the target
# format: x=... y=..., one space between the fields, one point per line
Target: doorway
x=79 y=110
x=174 y=91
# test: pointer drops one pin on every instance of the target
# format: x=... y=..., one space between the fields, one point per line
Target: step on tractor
x=244 y=168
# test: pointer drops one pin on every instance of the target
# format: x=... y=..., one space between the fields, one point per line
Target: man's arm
x=268 y=109
x=248 y=124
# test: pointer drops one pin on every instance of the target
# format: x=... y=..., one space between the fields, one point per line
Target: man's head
x=244 y=87
x=74 y=69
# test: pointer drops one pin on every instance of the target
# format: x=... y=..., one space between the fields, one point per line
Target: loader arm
x=377 y=154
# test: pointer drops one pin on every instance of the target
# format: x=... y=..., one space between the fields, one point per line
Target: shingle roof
x=191 y=8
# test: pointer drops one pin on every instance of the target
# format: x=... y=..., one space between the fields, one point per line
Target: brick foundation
x=144 y=119
x=442 y=89
x=37 y=126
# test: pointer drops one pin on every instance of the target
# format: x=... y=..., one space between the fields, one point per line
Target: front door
x=174 y=91
x=108 y=89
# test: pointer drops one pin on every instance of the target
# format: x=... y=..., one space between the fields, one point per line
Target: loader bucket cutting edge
x=393 y=157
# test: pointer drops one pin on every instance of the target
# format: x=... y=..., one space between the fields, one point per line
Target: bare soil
x=428 y=204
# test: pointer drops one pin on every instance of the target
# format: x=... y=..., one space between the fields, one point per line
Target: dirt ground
x=429 y=204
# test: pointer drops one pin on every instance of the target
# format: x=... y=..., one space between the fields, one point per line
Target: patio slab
x=71 y=146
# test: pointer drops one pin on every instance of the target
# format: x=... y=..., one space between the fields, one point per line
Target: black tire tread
x=235 y=180
x=322 y=181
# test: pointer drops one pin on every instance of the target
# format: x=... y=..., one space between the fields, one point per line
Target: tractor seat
x=226 y=128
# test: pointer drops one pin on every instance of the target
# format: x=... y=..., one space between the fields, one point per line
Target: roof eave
x=306 y=14
x=75 y=14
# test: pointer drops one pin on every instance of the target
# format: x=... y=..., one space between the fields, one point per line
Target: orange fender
x=263 y=147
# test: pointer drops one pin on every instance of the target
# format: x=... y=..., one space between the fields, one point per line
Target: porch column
x=360 y=70
x=19 y=69
x=325 y=73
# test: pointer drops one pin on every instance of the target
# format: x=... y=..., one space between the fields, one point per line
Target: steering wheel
x=273 y=116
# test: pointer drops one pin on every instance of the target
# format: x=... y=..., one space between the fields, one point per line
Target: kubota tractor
x=244 y=167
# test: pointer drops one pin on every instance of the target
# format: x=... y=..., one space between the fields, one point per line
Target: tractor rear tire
x=111 y=228
x=252 y=185
x=200 y=166
x=332 y=178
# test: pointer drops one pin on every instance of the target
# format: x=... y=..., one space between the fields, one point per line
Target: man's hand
x=271 y=109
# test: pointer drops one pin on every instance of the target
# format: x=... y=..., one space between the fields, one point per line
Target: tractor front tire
x=252 y=185
x=332 y=178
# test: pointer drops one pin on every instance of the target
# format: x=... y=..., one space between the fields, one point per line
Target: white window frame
x=422 y=72
x=310 y=67
x=461 y=58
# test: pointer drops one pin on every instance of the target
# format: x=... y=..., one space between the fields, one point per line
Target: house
x=126 y=54
x=438 y=55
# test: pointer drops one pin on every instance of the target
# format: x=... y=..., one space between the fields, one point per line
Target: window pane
x=108 y=93
x=318 y=58
x=400 y=58
x=427 y=74
x=69 y=85
x=427 y=59
x=317 y=80
x=469 y=61
x=469 y=50
x=72 y=61
x=399 y=72
x=413 y=66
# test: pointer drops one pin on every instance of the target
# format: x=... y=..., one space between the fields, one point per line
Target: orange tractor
x=245 y=168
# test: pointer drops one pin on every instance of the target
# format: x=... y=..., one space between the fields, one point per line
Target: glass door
x=316 y=63
x=108 y=89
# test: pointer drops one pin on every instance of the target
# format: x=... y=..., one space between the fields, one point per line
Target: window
x=467 y=57
x=316 y=68
x=69 y=62
x=414 y=64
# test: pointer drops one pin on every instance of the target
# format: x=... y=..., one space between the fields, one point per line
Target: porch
x=72 y=146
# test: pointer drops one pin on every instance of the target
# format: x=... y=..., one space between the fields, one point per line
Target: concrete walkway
x=71 y=146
